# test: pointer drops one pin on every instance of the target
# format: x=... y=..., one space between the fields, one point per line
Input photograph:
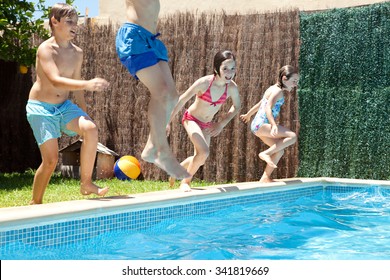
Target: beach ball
x=127 y=168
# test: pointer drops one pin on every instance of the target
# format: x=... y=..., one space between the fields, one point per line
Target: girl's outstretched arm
x=183 y=99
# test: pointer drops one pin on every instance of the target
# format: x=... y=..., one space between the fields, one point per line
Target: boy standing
x=146 y=58
x=50 y=112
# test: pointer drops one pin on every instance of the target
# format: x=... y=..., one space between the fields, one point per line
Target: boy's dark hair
x=61 y=10
x=220 y=57
x=287 y=71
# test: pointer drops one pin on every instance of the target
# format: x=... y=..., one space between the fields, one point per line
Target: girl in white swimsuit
x=261 y=116
x=264 y=126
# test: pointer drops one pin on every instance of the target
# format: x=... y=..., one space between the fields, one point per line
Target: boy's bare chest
x=66 y=62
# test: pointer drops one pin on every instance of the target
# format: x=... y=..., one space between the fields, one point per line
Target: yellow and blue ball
x=127 y=168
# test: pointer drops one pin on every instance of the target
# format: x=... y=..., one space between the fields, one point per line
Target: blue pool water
x=332 y=222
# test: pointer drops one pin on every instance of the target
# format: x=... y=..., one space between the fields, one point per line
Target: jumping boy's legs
x=49 y=154
x=87 y=129
x=185 y=164
x=159 y=81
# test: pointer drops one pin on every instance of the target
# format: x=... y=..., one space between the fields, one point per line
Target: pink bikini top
x=206 y=96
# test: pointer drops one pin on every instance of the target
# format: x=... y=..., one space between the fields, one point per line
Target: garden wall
x=262 y=43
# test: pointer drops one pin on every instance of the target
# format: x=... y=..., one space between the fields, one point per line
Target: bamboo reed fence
x=262 y=44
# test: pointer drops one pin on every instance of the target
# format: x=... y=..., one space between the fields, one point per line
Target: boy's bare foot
x=32 y=202
x=267 y=159
x=185 y=187
x=87 y=189
x=166 y=162
x=171 y=181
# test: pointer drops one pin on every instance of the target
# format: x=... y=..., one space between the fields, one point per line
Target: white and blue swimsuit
x=261 y=116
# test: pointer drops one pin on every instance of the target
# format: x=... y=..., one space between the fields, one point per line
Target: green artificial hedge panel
x=344 y=93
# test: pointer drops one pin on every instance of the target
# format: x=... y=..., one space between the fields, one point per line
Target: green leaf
x=17 y=28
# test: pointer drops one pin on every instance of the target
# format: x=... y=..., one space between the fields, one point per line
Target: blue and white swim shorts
x=48 y=120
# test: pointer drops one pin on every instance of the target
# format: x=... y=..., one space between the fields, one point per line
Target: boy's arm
x=79 y=95
x=49 y=67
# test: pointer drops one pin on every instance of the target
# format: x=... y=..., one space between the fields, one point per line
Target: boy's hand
x=97 y=84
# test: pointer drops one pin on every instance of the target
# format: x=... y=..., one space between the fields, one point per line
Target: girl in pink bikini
x=211 y=92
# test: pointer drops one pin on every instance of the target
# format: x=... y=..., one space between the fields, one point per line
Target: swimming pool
x=321 y=219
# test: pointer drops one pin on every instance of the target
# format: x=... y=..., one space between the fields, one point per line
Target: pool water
x=347 y=225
